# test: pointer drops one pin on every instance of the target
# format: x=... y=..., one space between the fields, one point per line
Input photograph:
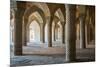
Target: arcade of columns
x=70 y=16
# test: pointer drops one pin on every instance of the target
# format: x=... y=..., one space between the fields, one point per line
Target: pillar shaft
x=82 y=32
x=25 y=32
x=18 y=33
x=42 y=34
x=78 y=32
x=70 y=33
x=86 y=36
x=49 y=36
x=24 y=36
x=28 y=35
x=63 y=34
x=54 y=34
x=50 y=32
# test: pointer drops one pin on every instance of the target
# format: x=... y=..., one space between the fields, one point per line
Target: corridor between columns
x=64 y=31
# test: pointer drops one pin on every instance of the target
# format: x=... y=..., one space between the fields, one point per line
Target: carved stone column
x=25 y=33
x=70 y=33
x=42 y=34
x=54 y=34
x=18 y=33
x=63 y=34
x=82 y=32
x=50 y=32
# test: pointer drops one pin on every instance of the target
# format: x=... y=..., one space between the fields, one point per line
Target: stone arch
x=26 y=15
x=30 y=10
x=44 y=7
x=28 y=24
x=61 y=17
x=41 y=5
x=34 y=28
x=30 y=19
x=59 y=14
x=37 y=18
x=54 y=23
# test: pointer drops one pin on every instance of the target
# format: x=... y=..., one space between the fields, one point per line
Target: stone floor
x=40 y=54
x=43 y=51
x=82 y=55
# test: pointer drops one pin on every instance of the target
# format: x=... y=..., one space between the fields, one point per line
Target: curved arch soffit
x=31 y=10
x=31 y=20
x=60 y=15
x=44 y=7
x=35 y=29
x=37 y=16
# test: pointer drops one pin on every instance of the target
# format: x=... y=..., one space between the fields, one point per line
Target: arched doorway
x=34 y=33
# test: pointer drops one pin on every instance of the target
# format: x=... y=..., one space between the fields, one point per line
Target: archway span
x=28 y=25
x=54 y=23
x=44 y=7
x=30 y=10
x=35 y=16
x=30 y=21
x=57 y=31
x=62 y=22
x=59 y=14
x=26 y=15
x=37 y=19
x=34 y=33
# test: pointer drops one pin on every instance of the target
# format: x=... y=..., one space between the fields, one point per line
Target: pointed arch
x=30 y=10
x=34 y=32
x=36 y=15
x=59 y=14
x=44 y=7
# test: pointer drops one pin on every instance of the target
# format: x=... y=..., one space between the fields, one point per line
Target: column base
x=18 y=51
x=49 y=45
x=82 y=47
